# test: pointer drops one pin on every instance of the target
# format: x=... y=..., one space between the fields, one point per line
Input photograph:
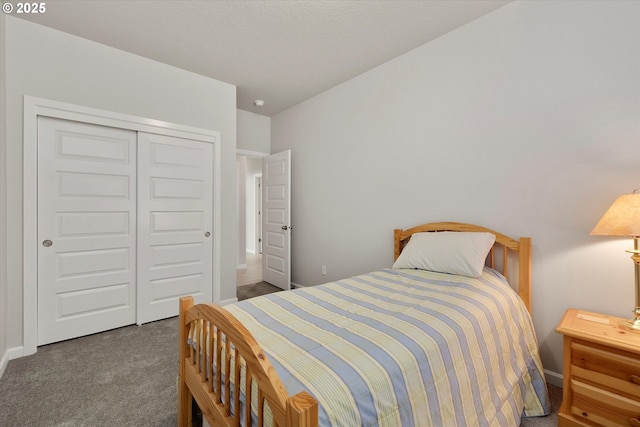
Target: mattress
x=404 y=348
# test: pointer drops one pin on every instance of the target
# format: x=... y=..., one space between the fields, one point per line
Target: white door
x=276 y=219
x=175 y=221
x=258 y=187
x=86 y=229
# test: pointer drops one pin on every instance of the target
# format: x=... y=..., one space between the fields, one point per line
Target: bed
x=440 y=339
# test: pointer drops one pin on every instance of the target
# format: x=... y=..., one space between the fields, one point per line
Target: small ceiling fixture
x=258 y=102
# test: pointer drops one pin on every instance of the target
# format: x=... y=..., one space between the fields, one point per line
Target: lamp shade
x=622 y=218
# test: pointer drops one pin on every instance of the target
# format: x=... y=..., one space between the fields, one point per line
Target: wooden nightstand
x=601 y=378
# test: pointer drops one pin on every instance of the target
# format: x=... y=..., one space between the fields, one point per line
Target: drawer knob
x=634 y=379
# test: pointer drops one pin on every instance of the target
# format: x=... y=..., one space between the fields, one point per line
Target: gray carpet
x=257 y=289
x=123 y=377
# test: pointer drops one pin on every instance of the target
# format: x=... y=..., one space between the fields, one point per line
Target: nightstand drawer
x=615 y=370
x=601 y=365
x=603 y=407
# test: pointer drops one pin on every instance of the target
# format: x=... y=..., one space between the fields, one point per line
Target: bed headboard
x=506 y=244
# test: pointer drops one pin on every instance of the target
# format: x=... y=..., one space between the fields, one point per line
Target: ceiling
x=282 y=52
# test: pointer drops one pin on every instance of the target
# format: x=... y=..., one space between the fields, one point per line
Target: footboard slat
x=227 y=376
x=198 y=351
x=209 y=362
x=236 y=397
x=218 y=359
x=248 y=386
x=260 y=409
x=211 y=341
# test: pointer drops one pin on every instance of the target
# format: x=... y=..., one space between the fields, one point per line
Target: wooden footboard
x=223 y=368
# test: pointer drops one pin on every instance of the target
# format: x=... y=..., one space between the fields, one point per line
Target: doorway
x=274 y=214
x=249 y=168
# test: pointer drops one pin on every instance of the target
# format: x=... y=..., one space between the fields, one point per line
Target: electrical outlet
x=323 y=270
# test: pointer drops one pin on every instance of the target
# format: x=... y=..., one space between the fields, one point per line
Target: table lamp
x=623 y=219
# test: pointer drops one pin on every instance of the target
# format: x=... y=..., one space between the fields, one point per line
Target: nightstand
x=601 y=372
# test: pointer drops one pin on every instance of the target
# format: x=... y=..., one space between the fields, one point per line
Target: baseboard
x=16 y=352
x=297 y=285
x=10 y=354
x=3 y=362
x=553 y=378
x=228 y=301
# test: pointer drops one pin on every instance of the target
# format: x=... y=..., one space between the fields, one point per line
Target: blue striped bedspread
x=404 y=348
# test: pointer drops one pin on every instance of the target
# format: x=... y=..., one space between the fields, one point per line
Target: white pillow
x=450 y=252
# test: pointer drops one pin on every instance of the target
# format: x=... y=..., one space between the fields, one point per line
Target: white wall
x=254 y=132
x=46 y=63
x=3 y=203
x=525 y=121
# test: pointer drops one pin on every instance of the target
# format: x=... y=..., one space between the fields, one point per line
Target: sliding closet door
x=86 y=229
x=175 y=201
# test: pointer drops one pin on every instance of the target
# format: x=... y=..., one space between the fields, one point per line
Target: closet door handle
x=47 y=243
x=207 y=234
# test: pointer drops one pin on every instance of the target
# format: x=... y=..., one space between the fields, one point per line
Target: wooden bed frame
x=216 y=396
x=504 y=243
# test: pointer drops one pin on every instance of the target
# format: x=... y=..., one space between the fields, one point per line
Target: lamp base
x=632 y=325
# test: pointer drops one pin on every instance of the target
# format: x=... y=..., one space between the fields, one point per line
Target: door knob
x=286 y=227
x=47 y=243
x=207 y=234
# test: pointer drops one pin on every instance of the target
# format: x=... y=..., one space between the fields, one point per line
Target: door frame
x=258 y=212
x=256 y=155
x=34 y=107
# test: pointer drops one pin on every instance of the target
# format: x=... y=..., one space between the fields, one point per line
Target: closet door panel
x=86 y=229
x=175 y=202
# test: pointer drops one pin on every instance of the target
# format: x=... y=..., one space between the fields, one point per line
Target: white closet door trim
x=34 y=107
